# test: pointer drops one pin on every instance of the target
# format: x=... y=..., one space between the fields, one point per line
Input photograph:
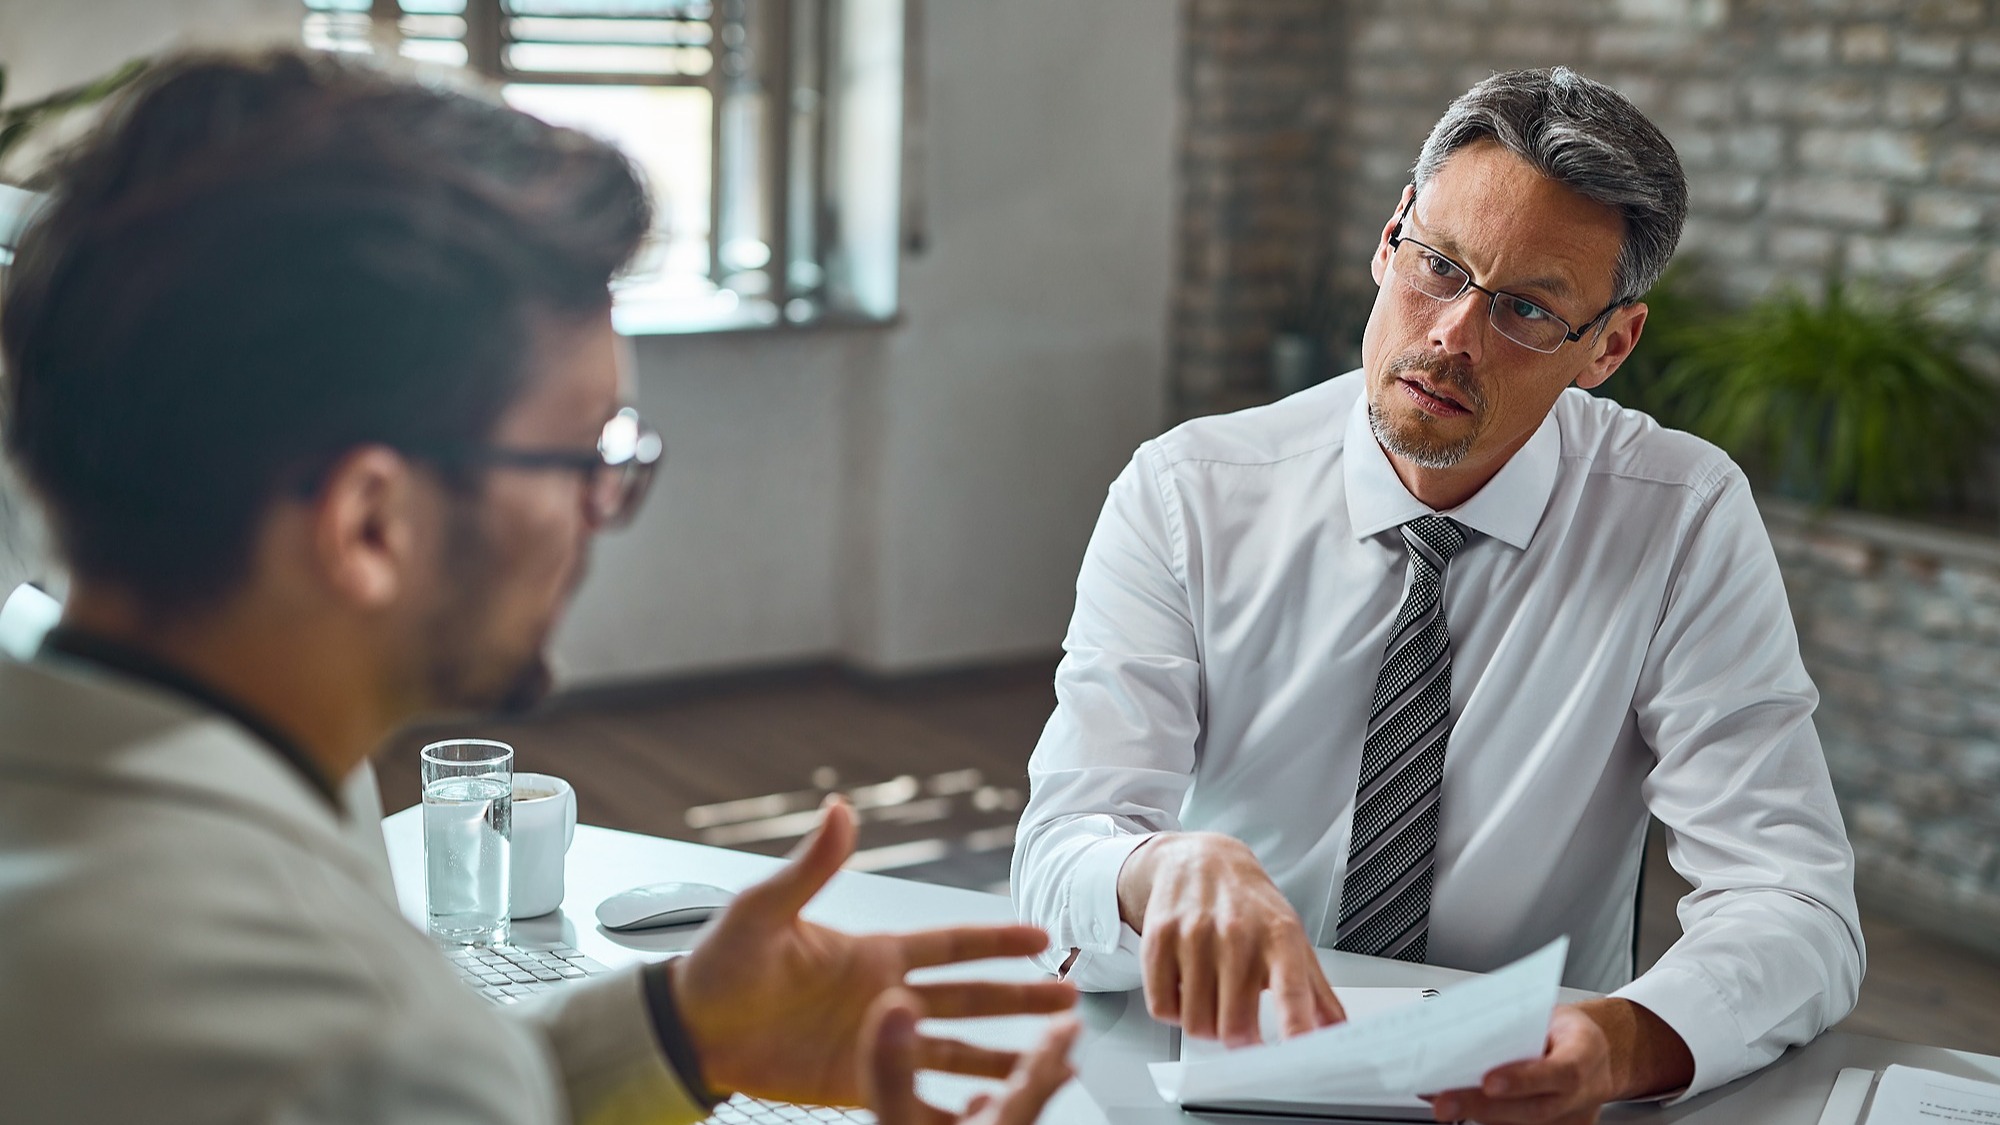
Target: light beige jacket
x=189 y=933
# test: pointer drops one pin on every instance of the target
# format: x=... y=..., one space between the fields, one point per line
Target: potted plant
x=1856 y=397
x=17 y=123
x=1680 y=308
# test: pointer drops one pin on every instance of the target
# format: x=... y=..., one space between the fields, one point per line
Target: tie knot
x=1435 y=538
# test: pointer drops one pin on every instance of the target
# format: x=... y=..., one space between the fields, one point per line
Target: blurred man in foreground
x=314 y=373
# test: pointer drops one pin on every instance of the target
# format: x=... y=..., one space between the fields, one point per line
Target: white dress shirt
x=1620 y=642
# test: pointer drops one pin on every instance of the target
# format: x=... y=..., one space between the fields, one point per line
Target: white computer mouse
x=662 y=904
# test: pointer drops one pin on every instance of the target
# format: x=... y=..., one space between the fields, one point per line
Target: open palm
x=776 y=1005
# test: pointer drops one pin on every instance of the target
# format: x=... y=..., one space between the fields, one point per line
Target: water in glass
x=468 y=826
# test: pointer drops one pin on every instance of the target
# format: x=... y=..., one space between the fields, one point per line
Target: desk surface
x=1119 y=1037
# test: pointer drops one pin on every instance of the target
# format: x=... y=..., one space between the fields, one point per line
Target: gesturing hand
x=774 y=1005
x=889 y=1078
x=1214 y=933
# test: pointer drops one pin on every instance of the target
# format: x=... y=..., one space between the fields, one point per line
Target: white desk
x=1119 y=1038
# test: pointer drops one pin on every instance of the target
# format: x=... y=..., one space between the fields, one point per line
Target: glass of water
x=468 y=832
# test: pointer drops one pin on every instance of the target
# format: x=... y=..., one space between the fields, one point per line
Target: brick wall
x=1900 y=627
x=1818 y=135
x=1261 y=88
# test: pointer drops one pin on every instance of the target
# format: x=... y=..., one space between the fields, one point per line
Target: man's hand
x=1214 y=933
x=1599 y=1051
x=774 y=1005
x=890 y=1047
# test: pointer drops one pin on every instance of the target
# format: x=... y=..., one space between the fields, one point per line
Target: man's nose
x=1460 y=326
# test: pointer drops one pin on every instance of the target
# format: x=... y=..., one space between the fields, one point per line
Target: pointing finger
x=1299 y=1006
x=1198 y=989
x=1160 y=958
x=1240 y=980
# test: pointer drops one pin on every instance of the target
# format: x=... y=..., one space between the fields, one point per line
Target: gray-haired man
x=1401 y=664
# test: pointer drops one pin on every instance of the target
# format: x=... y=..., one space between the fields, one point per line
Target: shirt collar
x=124 y=660
x=1508 y=508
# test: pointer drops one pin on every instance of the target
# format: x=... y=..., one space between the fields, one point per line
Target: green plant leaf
x=17 y=122
x=1852 y=397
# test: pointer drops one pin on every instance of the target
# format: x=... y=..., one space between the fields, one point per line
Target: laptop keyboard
x=507 y=974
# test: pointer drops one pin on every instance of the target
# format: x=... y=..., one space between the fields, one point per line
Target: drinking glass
x=468 y=833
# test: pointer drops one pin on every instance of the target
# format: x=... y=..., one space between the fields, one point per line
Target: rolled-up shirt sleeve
x=1771 y=953
x=1118 y=755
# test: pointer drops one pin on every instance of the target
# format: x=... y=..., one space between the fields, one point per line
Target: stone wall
x=1899 y=625
x=1818 y=135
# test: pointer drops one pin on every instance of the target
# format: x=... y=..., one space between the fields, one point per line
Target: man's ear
x=1614 y=344
x=366 y=526
x=1379 y=264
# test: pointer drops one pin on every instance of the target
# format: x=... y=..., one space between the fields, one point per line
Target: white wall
x=903 y=497
x=735 y=558
x=1033 y=359
x=49 y=44
x=920 y=496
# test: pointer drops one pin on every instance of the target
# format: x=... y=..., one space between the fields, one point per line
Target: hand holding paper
x=1391 y=1056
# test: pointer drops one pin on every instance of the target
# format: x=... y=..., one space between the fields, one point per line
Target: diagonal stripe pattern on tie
x=1385 y=900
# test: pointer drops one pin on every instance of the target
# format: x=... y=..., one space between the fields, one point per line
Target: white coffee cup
x=544 y=825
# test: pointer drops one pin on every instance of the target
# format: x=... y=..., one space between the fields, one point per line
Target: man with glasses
x=1401 y=664
x=314 y=373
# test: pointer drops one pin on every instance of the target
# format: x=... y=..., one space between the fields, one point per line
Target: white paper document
x=1908 y=1096
x=1358 y=1002
x=1390 y=1055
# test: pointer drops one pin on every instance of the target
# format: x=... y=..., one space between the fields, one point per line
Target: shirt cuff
x=1690 y=1004
x=613 y=1070
x=1099 y=925
x=1090 y=922
x=672 y=1034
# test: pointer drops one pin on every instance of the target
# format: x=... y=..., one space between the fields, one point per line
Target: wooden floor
x=937 y=767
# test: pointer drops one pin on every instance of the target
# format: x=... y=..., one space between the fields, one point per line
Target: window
x=768 y=132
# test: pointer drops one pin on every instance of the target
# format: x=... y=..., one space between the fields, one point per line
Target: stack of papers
x=1388 y=1056
x=1908 y=1096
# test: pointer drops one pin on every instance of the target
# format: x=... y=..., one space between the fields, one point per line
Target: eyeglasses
x=616 y=476
x=1525 y=322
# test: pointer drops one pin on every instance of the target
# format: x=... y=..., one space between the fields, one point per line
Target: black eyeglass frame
x=1570 y=336
x=636 y=468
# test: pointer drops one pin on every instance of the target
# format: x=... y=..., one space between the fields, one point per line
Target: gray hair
x=1587 y=137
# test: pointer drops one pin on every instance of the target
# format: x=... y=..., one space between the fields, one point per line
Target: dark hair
x=257 y=264
x=1587 y=137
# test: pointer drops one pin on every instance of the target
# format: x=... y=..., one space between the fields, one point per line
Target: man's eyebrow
x=1551 y=284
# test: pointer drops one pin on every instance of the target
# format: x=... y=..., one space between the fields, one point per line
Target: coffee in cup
x=544 y=825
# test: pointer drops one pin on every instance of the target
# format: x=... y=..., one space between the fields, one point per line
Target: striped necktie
x=1385 y=900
